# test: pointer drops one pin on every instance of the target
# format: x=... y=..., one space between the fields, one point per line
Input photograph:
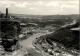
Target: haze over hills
x=44 y=20
x=45 y=16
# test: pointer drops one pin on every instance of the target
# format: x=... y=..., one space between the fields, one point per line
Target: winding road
x=27 y=43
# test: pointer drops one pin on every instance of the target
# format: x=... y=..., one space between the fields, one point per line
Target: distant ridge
x=44 y=16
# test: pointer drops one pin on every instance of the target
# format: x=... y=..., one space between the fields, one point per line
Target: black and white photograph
x=39 y=28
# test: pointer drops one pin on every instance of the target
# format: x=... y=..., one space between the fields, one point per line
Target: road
x=27 y=43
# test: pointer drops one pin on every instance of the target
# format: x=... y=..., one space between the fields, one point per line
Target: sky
x=40 y=7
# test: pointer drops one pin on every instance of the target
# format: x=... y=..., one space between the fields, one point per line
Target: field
x=49 y=22
x=34 y=26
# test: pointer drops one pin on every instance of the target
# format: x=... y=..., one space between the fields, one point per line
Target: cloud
x=42 y=6
x=13 y=4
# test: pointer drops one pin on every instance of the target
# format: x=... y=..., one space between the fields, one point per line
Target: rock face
x=9 y=26
x=9 y=31
x=69 y=38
